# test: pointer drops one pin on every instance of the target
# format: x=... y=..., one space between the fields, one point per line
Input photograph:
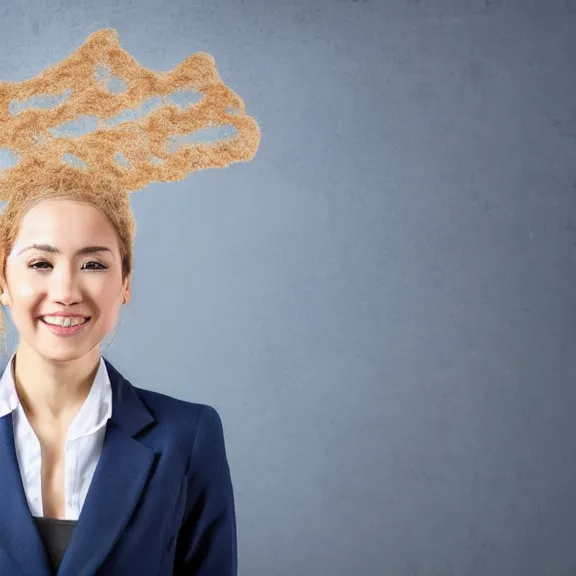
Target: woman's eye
x=40 y=265
x=95 y=266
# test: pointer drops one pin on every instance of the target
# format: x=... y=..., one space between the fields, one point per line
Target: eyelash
x=34 y=265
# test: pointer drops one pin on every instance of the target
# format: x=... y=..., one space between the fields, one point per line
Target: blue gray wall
x=382 y=304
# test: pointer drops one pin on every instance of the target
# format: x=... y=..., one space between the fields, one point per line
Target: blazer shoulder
x=179 y=415
x=163 y=404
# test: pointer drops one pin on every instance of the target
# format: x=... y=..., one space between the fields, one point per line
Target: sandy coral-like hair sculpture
x=106 y=164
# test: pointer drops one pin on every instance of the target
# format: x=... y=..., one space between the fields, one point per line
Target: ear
x=125 y=294
x=5 y=298
x=4 y=295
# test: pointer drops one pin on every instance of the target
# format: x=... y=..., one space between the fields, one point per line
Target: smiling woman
x=99 y=476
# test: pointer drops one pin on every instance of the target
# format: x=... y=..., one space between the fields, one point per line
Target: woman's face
x=63 y=279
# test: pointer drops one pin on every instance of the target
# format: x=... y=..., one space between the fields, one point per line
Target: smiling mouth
x=64 y=321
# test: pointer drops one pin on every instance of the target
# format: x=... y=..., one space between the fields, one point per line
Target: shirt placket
x=31 y=462
x=71 y=477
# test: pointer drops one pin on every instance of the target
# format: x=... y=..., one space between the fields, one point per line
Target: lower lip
x=65 y=330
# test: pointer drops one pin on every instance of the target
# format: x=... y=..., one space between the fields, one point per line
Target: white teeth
x=64 y=321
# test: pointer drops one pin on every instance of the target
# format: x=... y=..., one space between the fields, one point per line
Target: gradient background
x=382 y=304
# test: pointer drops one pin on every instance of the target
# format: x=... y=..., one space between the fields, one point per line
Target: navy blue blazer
x=160 y=502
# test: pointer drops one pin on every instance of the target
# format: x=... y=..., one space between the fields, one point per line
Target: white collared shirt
x=83 y=442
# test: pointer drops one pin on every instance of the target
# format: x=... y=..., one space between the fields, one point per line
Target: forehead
x=65 y=224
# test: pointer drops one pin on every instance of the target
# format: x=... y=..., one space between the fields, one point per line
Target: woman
x=96 y=476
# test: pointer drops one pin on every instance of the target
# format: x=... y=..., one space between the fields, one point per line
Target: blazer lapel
x=21 y=549
x=117 y=485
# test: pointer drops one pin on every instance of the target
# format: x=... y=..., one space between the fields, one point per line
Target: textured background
x=382 y=304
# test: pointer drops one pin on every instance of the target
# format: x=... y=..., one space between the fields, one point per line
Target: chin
x=61 y=356
x=64 y=352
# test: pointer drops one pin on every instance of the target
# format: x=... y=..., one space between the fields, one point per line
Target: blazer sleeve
x=207 y=540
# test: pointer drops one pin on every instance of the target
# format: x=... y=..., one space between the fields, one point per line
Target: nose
x=65 y=287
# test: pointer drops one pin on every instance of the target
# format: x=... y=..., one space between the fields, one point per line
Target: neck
x=50 y=390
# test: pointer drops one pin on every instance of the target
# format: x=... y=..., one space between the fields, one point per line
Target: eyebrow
x=54 y=250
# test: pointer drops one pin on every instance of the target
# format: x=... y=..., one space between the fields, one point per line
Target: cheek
x=24 y=293
x=25 y=305
x=21 y=282
x=107 y=297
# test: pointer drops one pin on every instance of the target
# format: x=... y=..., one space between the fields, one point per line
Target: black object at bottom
x=56 y=535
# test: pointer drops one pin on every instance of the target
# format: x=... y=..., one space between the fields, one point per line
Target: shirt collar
x=93 y=414
x=8 y=397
